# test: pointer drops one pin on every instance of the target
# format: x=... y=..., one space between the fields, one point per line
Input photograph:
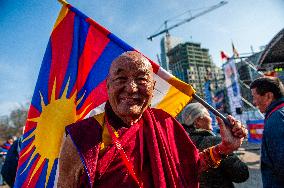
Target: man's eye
x=142 y=80
x=121 y=78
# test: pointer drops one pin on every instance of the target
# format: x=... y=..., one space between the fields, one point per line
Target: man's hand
x=231 y=138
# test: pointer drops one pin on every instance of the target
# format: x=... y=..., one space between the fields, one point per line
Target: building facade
x=192 y=64
x=167 y=43
x=247 y=73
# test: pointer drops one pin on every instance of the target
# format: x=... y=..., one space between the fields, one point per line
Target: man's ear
x=154 y=84
x=107 y=82
x=196 y=122
x=270 y=96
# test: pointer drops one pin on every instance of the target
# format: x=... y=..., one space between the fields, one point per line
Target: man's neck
x=130 y=120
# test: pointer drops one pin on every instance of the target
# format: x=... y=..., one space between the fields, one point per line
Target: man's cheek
x=146 y=91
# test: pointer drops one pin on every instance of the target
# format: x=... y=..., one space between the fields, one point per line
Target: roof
x=273 y=52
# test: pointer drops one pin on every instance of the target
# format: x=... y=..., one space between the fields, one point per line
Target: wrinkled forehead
x=131 y=61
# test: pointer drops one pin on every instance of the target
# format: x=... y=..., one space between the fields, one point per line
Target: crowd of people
x=3 y=152
x=138 y=146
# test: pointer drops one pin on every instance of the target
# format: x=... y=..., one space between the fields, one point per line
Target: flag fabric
x=219 y=101
x=224 y=56
x=71 y=86
x=232 y=86
x=208 y=98
x=255 y=129
x=235 y=52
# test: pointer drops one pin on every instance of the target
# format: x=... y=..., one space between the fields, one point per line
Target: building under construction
x=167 y=43
x=192 y=64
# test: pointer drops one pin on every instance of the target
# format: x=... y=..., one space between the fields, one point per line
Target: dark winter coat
x=272 y=147
x=231 y=169
x=10 y=165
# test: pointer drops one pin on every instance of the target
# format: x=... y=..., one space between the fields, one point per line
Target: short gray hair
x=191 y=112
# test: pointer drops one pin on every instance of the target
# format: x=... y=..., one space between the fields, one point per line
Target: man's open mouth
x=130 y=100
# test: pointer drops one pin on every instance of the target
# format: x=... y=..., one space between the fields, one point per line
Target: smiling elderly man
x=133 y=145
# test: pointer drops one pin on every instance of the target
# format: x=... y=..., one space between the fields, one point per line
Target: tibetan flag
x=255 y=128
x=71 y=86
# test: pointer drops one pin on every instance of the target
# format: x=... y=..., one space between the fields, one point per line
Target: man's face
x=204 y=122
x=261 y=101
x=10 y=141
x=130 y=87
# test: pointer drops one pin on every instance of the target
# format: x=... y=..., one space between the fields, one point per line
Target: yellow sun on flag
x=50 y=128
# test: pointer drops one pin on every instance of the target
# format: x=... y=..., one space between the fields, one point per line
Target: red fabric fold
x=157 y=146
x=174 y=158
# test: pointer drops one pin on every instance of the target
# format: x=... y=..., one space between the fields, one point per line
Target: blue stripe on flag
x=77 y=12
x=120 y=42
x=42 y=81
x=42 y=177
x=52 y=174
x=28 y=133
x=27 y=142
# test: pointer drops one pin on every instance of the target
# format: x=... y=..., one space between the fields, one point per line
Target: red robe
x=157 y=146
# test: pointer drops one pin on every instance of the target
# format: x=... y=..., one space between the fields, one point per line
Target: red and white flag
x=224 y=57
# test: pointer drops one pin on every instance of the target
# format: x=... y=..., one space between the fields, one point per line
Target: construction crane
x=167 y=39
x=167 y=29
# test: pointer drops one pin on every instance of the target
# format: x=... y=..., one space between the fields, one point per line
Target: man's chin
x=130 y=111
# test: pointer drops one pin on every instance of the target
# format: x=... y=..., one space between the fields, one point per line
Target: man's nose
x=132 y=86
x=253 y=102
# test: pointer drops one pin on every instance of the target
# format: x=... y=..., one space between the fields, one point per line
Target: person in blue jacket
x=9 y=168
x=3 y=152
x=268 y=96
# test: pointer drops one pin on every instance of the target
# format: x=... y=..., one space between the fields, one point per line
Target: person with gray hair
x=198 y=124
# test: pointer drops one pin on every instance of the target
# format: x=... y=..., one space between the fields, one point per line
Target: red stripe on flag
x=61 y=44
x=256 y=126
x=23 y=150
x=27 y=181
x=30 y=125
x=37 y=175
x=24 y=158
x=256 y=136
x=98 y=26
x=33 y=113
x=155 y=66
x=95 y=44
x=99 y=93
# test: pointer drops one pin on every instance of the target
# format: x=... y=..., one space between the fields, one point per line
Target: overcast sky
x=25 y=27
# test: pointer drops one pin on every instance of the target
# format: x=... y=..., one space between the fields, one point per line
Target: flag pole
x=212 y=109
x=63 y=2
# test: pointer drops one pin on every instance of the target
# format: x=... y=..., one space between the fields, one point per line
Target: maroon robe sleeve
x=79 y=154
x=71 y=169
